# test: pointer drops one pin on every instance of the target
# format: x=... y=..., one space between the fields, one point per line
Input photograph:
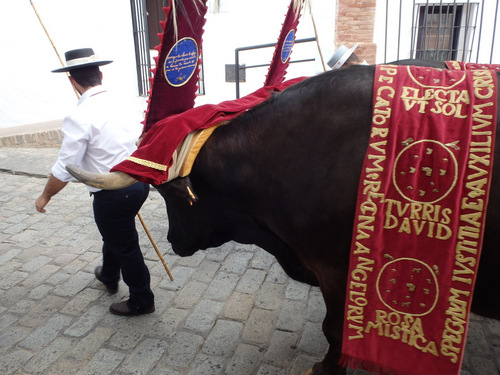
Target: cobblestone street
x=230 y=310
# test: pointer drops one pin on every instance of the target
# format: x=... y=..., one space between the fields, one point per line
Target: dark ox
x=284 y=176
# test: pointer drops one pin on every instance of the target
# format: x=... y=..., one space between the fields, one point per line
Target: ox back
x=284 y=176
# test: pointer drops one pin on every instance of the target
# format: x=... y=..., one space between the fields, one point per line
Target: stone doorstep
x=52 y=138
x=47 y=134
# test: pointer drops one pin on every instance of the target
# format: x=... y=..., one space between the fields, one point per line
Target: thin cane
x=51 y=42
x=154 y=245
x=317 y=42
x=78 y=96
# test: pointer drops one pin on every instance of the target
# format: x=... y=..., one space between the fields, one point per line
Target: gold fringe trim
x=195 y=145
x=148 y=163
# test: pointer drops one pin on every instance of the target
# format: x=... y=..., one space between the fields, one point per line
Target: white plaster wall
x=30 y=93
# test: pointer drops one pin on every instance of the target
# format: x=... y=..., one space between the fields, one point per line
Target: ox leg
x=333 y=289
x=329 y=365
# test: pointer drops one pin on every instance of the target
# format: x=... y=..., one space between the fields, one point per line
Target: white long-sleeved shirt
x=97 y=135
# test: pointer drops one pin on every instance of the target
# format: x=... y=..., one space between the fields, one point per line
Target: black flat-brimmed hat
x=79 y=58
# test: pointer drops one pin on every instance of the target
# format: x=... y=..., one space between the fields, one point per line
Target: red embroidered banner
x=286 y=40
x=175 y=80
x=460 y=65
x=419 y=222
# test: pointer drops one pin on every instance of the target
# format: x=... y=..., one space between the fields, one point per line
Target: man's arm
x=53 y=186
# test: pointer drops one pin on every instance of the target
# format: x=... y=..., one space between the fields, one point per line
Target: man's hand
x=53 y=187
x=41 y=202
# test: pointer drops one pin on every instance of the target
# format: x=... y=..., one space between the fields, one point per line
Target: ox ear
x=183 y=187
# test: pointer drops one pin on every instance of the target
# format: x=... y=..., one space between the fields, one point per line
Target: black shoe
x=112 y=288
x=121 y=308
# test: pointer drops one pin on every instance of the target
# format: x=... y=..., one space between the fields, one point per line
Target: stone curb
x=51 y=138
x=44 y=134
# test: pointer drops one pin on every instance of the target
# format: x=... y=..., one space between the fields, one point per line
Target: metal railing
x=141 y=44
x=259 y=46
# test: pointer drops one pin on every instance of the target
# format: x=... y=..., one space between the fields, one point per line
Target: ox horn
x=105 y=181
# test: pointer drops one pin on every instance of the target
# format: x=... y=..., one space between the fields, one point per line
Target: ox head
x=194 y=223
x=198 y=219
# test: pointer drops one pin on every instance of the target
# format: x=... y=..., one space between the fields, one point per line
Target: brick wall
x=355 y=24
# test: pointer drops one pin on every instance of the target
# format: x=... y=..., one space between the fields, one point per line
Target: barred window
x=146 y=17
x=445 y=32
x=141 y=43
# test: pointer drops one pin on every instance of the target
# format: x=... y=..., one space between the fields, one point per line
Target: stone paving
x=229 y=311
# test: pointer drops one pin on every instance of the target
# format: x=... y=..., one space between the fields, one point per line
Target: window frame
x=451 y=41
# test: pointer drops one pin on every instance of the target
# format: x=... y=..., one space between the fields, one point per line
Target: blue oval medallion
x=181 y=62
x=286 y=49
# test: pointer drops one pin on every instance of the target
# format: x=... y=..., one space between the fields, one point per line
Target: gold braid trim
x=147 y=163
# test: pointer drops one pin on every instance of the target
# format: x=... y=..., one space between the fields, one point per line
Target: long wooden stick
x=78 y=96
x=154 y=245
x=317 y=41
x=51 y=42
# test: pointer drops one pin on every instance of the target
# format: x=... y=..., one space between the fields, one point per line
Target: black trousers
x=114 y=214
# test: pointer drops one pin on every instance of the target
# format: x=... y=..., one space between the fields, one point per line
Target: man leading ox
x=97 y=137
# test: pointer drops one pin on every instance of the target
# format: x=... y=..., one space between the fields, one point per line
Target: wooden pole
x=51 y=42
x=317 y=41
x=154 y=245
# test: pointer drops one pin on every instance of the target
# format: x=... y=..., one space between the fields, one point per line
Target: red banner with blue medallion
x=175 y=80
x=286 y=41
